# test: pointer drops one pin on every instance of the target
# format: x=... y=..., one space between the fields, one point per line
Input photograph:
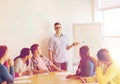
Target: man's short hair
x=57 y=23
x=34 y=47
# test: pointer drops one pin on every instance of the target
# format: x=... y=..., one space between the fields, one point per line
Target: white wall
x=24 y=22
x=109 y=4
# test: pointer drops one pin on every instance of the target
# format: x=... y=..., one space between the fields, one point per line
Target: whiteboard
x=87 y=34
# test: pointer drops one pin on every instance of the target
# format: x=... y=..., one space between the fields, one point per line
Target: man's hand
x=75 y=43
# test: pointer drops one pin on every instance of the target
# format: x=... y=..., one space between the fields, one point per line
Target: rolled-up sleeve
x=50 y=44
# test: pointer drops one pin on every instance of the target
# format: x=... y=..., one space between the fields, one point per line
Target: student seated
x=21 y=63
x=5 y=75
x=40 y=63
x=86 y=66
x=107 y=71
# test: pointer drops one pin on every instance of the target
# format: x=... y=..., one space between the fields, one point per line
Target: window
x=109 y=4
x=112 y=32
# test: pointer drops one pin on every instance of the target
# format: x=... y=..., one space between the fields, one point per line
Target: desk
x=48 y=78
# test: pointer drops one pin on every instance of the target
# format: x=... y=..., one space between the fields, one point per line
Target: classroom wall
x=24 y=22
x=108 y=4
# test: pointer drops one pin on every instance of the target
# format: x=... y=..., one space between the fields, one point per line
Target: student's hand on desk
x=45 y=71
x=76 y=77
x=73 y=77
x=61 y=70
x=69 y=76
x=4 y=82
x=29 y=72
x=83 y=80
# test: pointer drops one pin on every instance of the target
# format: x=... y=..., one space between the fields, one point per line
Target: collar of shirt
x=58 y=36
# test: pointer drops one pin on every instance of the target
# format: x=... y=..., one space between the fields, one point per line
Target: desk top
x=47 y=78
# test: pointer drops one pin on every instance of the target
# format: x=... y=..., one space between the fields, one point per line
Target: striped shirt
x=58 y=46
x=38 y=64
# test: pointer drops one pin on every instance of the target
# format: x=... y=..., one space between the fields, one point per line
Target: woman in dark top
x=5 y=75
x=86 y=67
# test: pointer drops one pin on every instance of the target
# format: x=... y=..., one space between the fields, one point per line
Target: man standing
x=58 y=46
